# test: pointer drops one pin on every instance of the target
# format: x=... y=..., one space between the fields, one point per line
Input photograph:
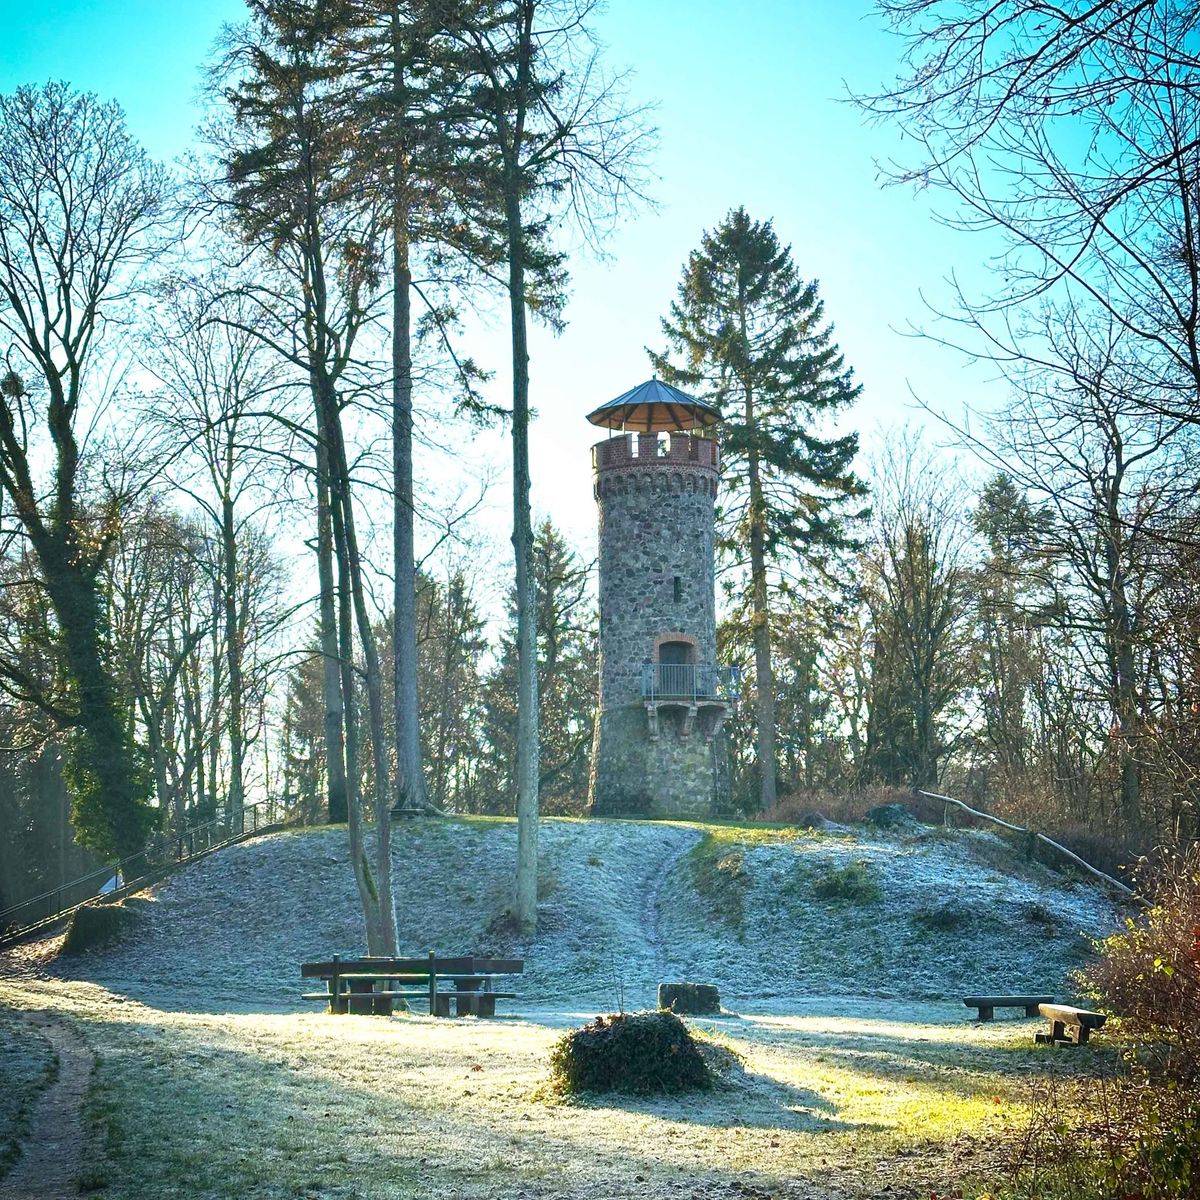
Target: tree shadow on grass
x=740 y=1100
x=241 y=1112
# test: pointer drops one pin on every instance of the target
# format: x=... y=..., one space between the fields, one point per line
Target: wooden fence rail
x=1116 y=884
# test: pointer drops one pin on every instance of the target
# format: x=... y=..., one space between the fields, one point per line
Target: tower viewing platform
x=653 y=450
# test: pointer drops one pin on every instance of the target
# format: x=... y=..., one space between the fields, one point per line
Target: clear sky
x=751 y=111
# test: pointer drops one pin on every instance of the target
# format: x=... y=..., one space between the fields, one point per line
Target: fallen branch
x=1041 y=837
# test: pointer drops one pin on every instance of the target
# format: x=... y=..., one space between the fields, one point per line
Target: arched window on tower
x=676 y=665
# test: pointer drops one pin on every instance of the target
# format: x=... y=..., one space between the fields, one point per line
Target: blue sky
x=751 y=111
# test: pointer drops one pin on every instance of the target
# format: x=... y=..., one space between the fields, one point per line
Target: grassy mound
x=97 y=925
x=642 y=1053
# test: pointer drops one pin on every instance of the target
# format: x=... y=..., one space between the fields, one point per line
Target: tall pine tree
x=399 y=72
x=553 y=137
x=747 y=334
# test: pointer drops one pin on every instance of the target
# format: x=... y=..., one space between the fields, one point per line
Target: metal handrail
x=152 y=855
x=690 y=681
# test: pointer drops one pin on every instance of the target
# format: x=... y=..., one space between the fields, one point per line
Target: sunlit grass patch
x=316 y=1105
x=717 y=871
x=717 y=865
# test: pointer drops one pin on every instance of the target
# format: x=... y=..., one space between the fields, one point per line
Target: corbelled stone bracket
x=652 y=719
x=689 y=719
x=711 y=713
x=714 y=726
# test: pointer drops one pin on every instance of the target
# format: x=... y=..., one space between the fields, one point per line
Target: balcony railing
x=690 y=681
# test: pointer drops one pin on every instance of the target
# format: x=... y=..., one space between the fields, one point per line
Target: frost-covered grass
x=624 y=906
x=27 y=1065
x=823 y=914
x=844 y=1095
x=856 y=1061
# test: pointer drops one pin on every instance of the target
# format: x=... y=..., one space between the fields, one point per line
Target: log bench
x=988 y=1004
x=371 y=984
x=1069 y=1026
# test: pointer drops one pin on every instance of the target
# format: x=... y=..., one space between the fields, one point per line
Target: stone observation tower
x=658 y=750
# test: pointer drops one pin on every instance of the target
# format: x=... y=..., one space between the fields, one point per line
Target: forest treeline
x=225 y=579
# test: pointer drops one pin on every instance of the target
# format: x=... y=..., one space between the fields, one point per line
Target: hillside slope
x=623 y=905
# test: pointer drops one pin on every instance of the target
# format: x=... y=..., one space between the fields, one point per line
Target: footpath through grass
x=843 y=1097
x=27 y=1064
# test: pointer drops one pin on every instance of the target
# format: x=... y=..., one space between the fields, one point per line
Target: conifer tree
x=747 y=334
x=566 y=680
x=293 y=195
x=551 y=133
x=398 y=71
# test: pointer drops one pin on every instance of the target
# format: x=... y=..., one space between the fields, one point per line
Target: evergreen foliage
x=566 y=673
x=747 y=334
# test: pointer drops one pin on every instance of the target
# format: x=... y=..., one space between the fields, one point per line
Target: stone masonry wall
x=656 y=524
x=656 y=527
x=671 y=777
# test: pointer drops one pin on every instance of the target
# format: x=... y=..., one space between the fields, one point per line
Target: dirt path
x=651 y=897
x=52 y=1153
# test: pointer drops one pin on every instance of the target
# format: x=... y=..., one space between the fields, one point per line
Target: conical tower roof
x=655 y=407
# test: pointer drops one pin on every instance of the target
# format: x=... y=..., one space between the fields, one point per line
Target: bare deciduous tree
x=81 y=210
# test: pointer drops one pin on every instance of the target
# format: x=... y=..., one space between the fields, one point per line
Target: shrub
x=1138 y=1135
x=843 y=808
x=1104 y=1139
x=642 y=1053
x=97 y=925
x=941 y=918
x=1150 y=972
x=694 y=998
x=892 y=816
x=853 y=882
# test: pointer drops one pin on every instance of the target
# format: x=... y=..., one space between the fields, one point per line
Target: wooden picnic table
x=370 y=984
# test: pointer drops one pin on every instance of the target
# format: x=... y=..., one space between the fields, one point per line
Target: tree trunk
x=335 y=753
x=1123 y=671
x=368 y=891
x=450 y=641
x=410 y=783
x=764 y=675
x=235 y=800
x=525 y=898
x=354 y=611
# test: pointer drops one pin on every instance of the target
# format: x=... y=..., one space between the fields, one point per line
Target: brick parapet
x=649 y=452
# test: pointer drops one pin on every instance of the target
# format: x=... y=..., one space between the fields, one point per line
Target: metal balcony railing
x=690 y=681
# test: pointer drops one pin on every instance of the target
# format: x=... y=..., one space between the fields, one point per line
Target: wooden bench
x=1068 y=1026
x=371 y=984
x=988 y=1004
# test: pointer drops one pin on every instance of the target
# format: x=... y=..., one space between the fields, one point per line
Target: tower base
x=665 y=760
